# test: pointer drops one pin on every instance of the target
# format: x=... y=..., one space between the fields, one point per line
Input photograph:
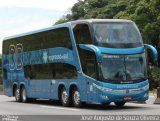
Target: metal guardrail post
x=157 y=101
x=158 y=92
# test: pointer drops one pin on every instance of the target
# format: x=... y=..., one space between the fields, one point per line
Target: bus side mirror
x=154 y=53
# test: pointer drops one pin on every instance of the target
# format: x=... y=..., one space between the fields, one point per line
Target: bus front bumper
x=124 y=94
x=109 y=97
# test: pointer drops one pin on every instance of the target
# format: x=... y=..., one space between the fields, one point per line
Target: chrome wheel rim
x=17 y=95
x=24 y=95
x=64 y=96
x=76 y=97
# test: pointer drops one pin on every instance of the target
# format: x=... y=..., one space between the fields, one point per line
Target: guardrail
x=1 y=87
x=157 y=101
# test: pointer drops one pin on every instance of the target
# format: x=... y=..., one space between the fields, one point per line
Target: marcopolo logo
x=58 y=57
x=45 y=57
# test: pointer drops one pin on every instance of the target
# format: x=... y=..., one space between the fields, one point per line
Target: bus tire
x=76 y=98
x=65 y=99
x=119 y=104
x=24 y=95
x=17 y=94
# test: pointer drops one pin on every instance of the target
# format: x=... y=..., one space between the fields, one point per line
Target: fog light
x=104 y=97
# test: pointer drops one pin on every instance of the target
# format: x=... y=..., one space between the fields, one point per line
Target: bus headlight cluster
x=123 y=91
x=102 y=88
x=146 y=87
x=145 y=95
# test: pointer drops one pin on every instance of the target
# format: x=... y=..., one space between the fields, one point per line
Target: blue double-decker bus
x=83 y=61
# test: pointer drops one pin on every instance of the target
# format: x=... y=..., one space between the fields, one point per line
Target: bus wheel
x=119 y=104
x=17 y=95
x=24 y=95
x=76 y=98
x=65 y=100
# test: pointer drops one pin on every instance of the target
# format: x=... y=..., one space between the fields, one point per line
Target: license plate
x=127 y=98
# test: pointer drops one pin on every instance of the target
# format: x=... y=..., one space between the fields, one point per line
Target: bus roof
x=37 y=31
x=67 y=24
x=101 y=20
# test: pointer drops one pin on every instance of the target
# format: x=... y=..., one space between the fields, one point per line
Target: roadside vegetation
x=145 y=13
x=0 y=72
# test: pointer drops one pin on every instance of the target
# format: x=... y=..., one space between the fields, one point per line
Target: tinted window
x=88 y=63
x=82 y=34
x=57 y=38
x=117 y=34
x=50 y=71
x=48 y=39
x=32 y=42
x=6 y=45
x=91 y=68
x=124 y=68
x=5 y=76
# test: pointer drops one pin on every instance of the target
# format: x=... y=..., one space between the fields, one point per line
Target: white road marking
x=59 y=108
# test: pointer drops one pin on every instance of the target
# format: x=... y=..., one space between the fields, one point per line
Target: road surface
x=45 y=107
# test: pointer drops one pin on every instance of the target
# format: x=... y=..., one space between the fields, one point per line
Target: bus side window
x=29 y=72
x=88 y=63
x=5 y=75
x=91 y=68
x=82 y=34
x=59 y=37
x=50 y=71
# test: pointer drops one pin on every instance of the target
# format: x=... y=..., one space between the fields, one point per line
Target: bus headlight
x=102 y=88
x=146 y=87
x=145 y=95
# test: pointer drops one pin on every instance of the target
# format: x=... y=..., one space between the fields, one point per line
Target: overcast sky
x=19 y=16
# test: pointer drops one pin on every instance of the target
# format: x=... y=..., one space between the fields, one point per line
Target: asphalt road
x=44 y=107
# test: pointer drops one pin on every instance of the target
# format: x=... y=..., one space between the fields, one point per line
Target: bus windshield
x=123 y=68
x=117 y=34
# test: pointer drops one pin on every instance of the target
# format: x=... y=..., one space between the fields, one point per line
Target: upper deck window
x=117 y=34
x=59 y=37
x=82 y=34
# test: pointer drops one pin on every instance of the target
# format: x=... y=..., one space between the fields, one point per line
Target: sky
x=20 y=16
